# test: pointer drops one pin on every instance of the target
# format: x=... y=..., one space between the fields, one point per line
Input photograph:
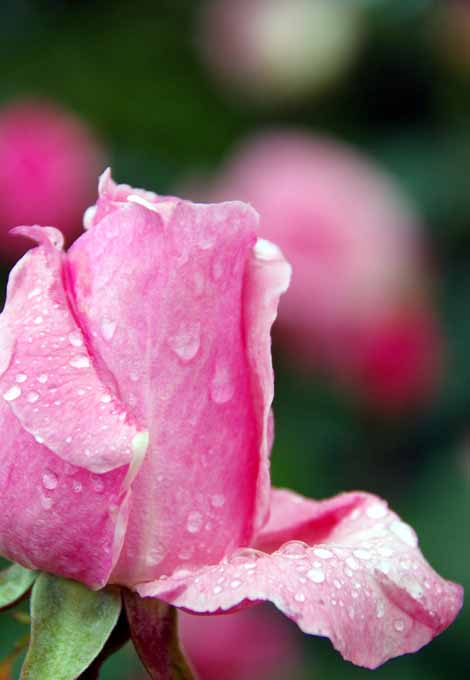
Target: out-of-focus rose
x=359 y=302
x=253 y=644
x=48 y=167
x=280 y=49
x=136 y=386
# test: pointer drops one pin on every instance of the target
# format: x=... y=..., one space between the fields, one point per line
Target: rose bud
x=359 y=305
x=136 y=388
x=48 y=167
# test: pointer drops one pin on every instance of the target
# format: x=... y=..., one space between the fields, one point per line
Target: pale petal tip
x=44 y=236
x=105 y=182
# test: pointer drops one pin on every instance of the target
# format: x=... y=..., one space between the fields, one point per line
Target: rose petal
x=266 y=279
x=50 y=376
x=183 y=361
x=54 y=516
x=366 y=585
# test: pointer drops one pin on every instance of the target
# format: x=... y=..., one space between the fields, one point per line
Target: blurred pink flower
x=253 y=644
x=274 y=50
x=136 y=383
x=359 y=303
x=48 y=167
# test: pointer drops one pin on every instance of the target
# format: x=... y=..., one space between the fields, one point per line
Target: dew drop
x=194 y=522
x=76 y=486
x=217 y=590
x=362 y=554
x=294 y=550
x=106 y=398
x=376 y=511
x=316 y=574
x=32 y=397
x=299 y=597
x=34 y=293
x=47 y=502
x=404 y=532
x=222 y=387
x=38 y=320
x=323 y=553
x=399 y=625
x=108 y=329
x=75 y=338
x=185 y=343
x=351 y=562
x=12 y=394
x=21 y=378
x=217 y=501
x=80 y=362
x=236 y=583
x=42 y=378
x=49 y=480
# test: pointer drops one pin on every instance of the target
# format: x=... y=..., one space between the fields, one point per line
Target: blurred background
x=347 y=125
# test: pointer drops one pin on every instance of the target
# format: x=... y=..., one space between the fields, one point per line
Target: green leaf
x=14 y=584
x=70 y=627
x=154 y=631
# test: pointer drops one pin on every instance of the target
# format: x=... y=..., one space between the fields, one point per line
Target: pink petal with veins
x=365 y=584
x=50 y=379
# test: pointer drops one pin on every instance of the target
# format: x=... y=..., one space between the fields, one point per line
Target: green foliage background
x=132 y=70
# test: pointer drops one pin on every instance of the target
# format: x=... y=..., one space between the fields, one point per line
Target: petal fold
x=364 y=584
x=49 y=374
x=54 y=516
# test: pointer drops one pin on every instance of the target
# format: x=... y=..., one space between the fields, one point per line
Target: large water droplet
x=185 y=343
x=21 y=378
x=404 y=532
x=13 y=393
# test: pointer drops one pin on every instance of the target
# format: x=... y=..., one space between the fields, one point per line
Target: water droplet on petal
x=42 y=378
x=49 y=480
x=222 y=387
x=299 y=597
x=316 y=574
x=106 y=398
x=108 y=329
x=75 y=338
x=323 y=553
x=194 y=522
x=399 y=625
x=76 y=486
x=38 y=320
x=376 y=511
x=12 y=394
x=21 y=378
x=404 y=532
x=294 y=550
x=217 y=501
x=80 y=362
x=185 y=343
x=34 y=293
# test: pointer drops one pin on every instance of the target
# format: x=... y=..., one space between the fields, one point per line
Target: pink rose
x=48 y=167
x=253 y=643
x=280 y=50
x=359 y=305
x=136 y=385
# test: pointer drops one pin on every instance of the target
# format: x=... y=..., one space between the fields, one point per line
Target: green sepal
x=15 y=582
x=70 y=625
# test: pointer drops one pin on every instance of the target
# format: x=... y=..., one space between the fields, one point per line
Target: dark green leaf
x=70 y=627
x=14 y=584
